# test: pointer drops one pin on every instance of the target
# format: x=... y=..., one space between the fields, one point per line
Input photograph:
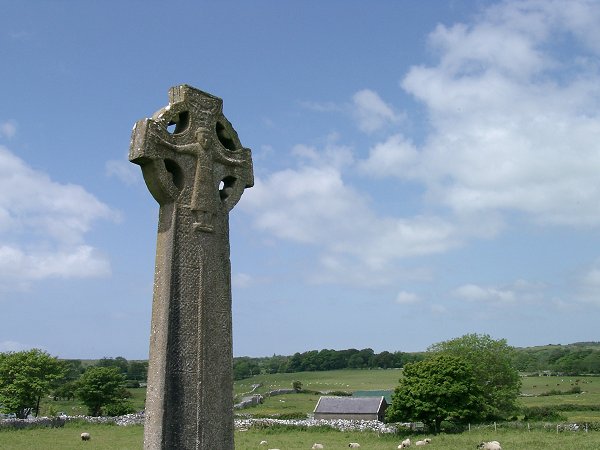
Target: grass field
x=353 y=380
x=105 y=437
x=334 y=380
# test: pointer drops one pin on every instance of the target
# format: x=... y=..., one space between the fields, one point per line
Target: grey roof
x=349 y=405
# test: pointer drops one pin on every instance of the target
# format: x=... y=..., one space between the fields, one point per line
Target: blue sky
x=423 y=170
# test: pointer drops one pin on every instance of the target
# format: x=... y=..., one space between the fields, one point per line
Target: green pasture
x=536 y=386
x=50 y=407
x=105 y=437
x=335 y=380
x=353 y=380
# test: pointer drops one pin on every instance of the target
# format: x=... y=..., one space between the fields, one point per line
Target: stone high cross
x=196 y=168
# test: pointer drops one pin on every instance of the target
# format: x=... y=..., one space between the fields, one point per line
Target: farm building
x=352 y=408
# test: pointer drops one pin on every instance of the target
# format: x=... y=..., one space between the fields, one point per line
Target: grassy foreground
x=105 y=437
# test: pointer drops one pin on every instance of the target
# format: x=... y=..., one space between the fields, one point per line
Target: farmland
x=518 y=435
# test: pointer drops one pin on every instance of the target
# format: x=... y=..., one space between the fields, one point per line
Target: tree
x=102 y=388
x=119 y=362
x=24 y=378
x=137 y=370
x=244 y=367
x=493 y=368
x=441 y=388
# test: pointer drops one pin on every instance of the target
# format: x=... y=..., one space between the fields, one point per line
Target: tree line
x=572 y=359
x=321 y=360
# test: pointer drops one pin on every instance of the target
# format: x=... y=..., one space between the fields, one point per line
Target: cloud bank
x=43 y=225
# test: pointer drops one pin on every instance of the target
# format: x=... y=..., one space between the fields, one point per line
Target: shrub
x=118 y=409
x=340 y=393
x=542 y=413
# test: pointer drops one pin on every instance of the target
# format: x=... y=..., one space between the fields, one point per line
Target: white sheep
x=405 y=443
x=492 y=445
x=85 y=436
x=263 y=443
x=316 y=446
x=423 y=442
x=354 y=445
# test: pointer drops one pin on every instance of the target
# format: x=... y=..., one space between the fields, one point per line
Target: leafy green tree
x=74 y=369
x=65 y=391
x=137 y=370
x=24 y=378
x=492 y=362
x=102 y=388
x=441 y=388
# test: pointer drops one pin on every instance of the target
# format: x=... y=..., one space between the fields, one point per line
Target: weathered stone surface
x=196 y=168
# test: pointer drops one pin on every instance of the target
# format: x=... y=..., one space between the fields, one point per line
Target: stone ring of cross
x=191 y=155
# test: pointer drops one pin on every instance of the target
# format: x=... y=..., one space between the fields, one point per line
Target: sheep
x=85 y=436
x=423 y=442
x=354 y=445
x=492 y=445
x=405 y=443
x=263 y=443
x=316 y=446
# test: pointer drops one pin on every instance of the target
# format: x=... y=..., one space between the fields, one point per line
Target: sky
x=423 y=170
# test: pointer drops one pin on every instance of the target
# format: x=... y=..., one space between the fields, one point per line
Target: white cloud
x=587 y=284
x=43 y=223
x=123 y=170
x=367 y=108
x=473 y=292
x=407 y=298
x=334 y=155
x=515 y=126
x=313 y=205
x=8 y=129
x=79 y=261
x=242 y=280
x=371 y=112
x=517 y=293
x=396 y=157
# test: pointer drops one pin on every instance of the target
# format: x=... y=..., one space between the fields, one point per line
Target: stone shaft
x=196 y=168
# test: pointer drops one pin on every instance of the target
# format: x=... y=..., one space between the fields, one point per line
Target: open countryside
x=512 y=435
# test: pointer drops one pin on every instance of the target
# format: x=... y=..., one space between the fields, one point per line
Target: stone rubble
x=240 y=423
x=338 y=424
